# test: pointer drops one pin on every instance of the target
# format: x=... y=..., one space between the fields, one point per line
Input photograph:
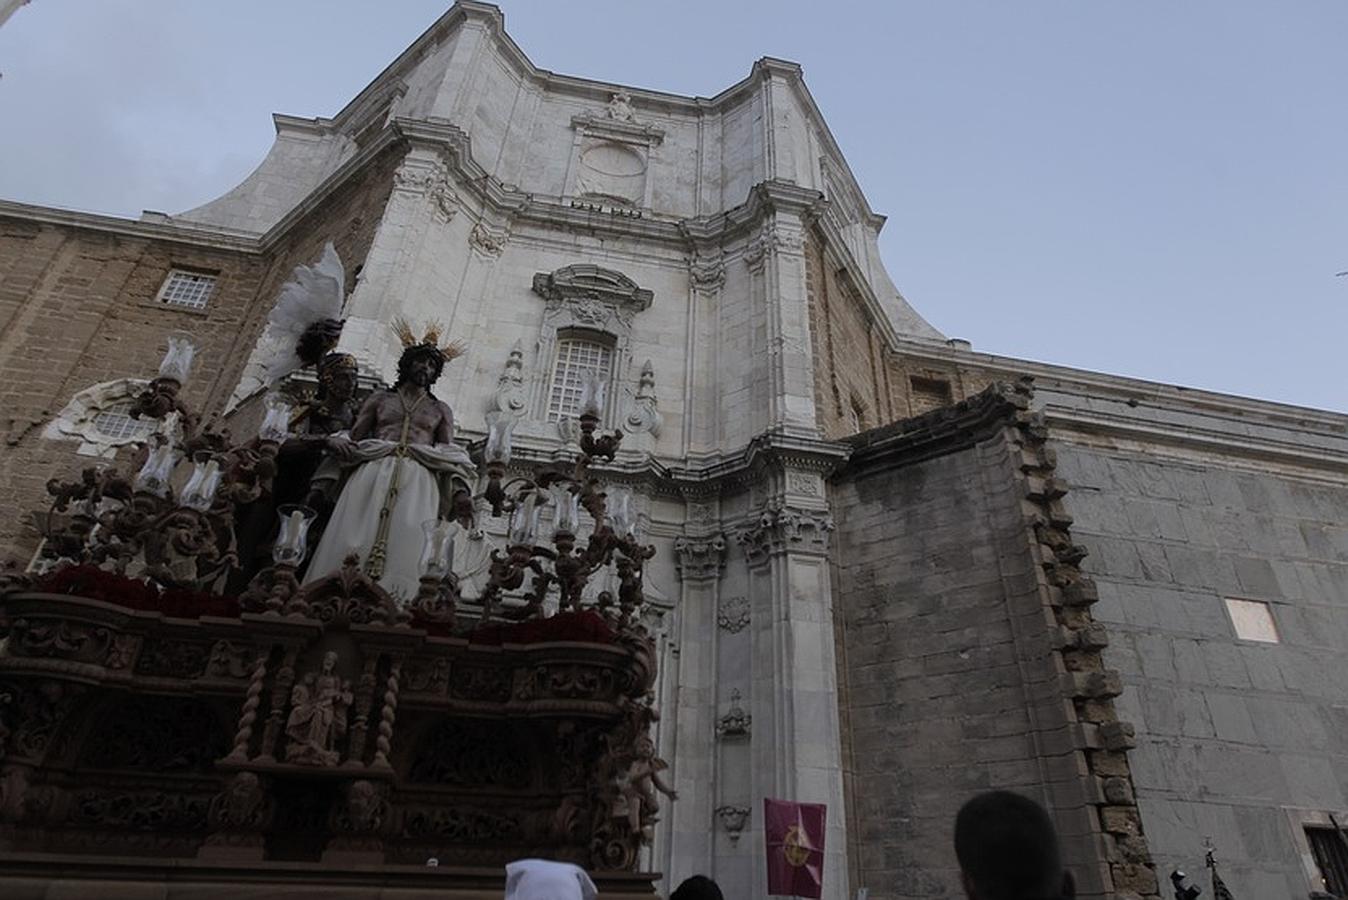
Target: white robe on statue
x=355 y=519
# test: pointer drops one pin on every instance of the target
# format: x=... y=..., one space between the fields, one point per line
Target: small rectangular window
x=189 y=289
x=1253 y=620
x=1329 y=846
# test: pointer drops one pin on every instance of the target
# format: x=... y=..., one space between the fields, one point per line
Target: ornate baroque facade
x=891 y=570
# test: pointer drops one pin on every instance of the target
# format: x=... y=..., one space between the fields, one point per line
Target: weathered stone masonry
x=969 y=656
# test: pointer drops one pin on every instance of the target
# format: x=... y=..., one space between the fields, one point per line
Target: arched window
x=577 y=353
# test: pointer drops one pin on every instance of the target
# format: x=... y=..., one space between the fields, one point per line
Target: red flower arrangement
x=94 y=583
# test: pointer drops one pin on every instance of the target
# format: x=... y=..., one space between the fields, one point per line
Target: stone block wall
x=969 y=657
x=851 y=376
x=1240 y=742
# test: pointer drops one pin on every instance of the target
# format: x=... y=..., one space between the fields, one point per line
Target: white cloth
x=355 y=519
x=543 y=879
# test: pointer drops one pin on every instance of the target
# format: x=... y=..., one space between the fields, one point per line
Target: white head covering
x=543 y=879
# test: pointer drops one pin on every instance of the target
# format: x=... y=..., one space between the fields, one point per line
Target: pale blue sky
x=1148 y=189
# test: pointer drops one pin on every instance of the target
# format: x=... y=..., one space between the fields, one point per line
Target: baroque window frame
x=586 y=299
x=77 y=420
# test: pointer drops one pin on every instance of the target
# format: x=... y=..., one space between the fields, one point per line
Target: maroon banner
x=794 y=833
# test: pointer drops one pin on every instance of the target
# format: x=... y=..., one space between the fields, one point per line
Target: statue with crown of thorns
x=404 y=470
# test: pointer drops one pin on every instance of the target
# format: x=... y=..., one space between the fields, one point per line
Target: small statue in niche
x=317 y=720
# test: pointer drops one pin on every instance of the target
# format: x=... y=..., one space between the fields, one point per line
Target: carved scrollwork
x=60 y=639
x=459 y=824
x=156 y=734
x=473 y=752
x=426 y=675
x=173 y=659
x=31 y=715
x=348 y=596
x=733 y=614
x=585 y=282
x=480 y=683
x=144 y=810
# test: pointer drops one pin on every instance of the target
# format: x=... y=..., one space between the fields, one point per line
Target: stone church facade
x=892 y=571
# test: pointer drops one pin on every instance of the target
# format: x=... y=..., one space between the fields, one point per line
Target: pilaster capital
x=700 y=558
x=780 y=529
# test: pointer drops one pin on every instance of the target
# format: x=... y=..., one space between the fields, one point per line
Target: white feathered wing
x=312 y=294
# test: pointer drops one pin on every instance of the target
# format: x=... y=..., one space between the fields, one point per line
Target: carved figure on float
x=317 y=719
x=406 y=471
x=302 y=330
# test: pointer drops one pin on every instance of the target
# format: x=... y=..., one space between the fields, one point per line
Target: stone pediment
x=623 y=132
x=584 y=281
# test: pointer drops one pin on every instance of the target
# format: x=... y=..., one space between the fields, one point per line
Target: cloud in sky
x=1142 y=190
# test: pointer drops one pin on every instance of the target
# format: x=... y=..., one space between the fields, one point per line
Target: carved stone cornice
x=783 y=529
x=700 y=558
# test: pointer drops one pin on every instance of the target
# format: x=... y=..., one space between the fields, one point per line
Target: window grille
x=115 y=423
x=575 y=356
x=1330 y=849
x=189 y=289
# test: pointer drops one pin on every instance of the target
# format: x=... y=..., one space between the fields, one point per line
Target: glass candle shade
x=567 y=504
x=178 y=360
x=620 y=518
x=275 y=425
x=524 y=521
x=437 y=549
x=292 y=541
x=500 y=433
x=153 y=477
x=199 y=494
x=593 y=392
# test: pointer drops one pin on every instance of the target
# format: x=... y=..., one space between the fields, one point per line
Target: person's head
x=337 y=376
x=420 y=364
x=1007 y=850
x=698 y=887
